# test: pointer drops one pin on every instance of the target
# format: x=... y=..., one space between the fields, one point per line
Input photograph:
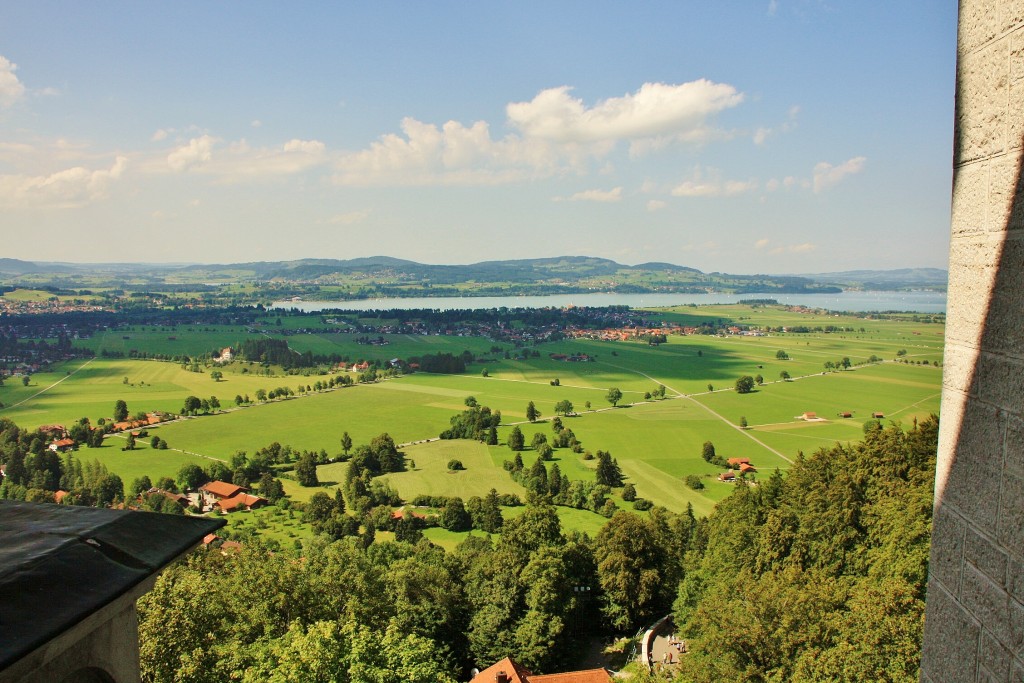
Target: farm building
x=735 y=463
x=727 y=476
x=846 y=413
x=241 y=501
x=221 y=489
x=878 y=416
x=810 y=415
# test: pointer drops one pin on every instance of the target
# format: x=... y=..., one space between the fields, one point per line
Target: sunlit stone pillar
x=974 y=625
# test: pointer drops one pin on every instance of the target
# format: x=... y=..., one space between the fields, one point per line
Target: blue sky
x=780 y=136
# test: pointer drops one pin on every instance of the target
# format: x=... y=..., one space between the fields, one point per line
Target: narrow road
x=43 y=391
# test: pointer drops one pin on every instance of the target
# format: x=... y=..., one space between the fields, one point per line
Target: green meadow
x=656 y=442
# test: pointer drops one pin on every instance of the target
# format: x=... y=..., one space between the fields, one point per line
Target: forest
x=818 y=575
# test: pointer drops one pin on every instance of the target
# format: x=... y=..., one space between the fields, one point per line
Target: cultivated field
x=656 y=442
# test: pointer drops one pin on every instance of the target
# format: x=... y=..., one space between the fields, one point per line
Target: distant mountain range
x=387 y=275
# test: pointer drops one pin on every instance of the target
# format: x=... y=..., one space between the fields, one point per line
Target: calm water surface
x=923 y=302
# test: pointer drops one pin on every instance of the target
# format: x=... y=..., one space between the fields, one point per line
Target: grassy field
x=657 y=443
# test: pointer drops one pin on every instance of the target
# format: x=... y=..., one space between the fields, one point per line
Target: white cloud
x=709 y=183
x=11 y=89
x=198 y=151
x=655 y=110
x=554 y=133
x=67 y=188
x=256 y=123
x=760 y=135
x=656 y=205
x=761 y=243
x=613 y=195
x=161 y=134
x=827 y=175
x=314 y=147
x=451 y=155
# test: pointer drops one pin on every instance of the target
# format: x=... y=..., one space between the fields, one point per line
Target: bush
x=628 y=493
x=694 y=482
x=455 y=465
x=642 y=504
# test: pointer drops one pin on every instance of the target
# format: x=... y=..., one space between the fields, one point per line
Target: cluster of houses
x=225 y=497
x=633 y=332
x=741 y=465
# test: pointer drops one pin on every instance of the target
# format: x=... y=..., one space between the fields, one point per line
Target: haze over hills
x=590 y=273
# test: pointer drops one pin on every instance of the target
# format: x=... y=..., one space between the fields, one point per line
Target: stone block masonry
x=974 y=623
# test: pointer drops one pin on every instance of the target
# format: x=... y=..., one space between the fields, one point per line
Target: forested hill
x=819 y=575
x=333 y=279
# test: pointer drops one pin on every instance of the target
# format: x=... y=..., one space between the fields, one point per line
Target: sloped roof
x=588 y=676
x=221 y=489
x=515 y=672
x=242 y=499
x=519 y=674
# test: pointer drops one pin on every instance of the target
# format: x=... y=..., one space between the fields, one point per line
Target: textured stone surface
x=947 y=556
x=977 y=465
x=974 y=625
x=983 y=92
x=950 y=650
x=984 y=555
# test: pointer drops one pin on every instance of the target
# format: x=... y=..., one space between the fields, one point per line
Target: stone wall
x=974 y=625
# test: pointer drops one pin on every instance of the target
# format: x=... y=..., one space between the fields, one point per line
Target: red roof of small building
x=58 y=496
x=725 y=476
x=738 y=461
x=588 y=676
x=515 y=672
x=221 y=489
x=747 y=467
x=241 y=500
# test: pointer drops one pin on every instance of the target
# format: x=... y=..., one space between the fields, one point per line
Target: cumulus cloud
x=161 y=134
x=196 y=152
x=11 y=89
x=453 y=154
x=709 y=183
x=655 y=110
x=67 y=188
x=612 y=195
x=656 y=205
x=552 y=133
x=827 y=175
x=761 y=243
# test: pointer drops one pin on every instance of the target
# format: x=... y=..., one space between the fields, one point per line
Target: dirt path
x=43 y=391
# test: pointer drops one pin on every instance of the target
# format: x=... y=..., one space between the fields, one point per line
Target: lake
x=920 y=301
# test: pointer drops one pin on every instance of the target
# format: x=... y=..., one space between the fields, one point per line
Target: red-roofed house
x=510 y=671
x=62 y=445
x=242 y=500
x=221 y=489
x=747 y=467
x=727 y=476
x=736 y=462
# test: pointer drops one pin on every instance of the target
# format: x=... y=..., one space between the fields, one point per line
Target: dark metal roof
x=61 y=563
